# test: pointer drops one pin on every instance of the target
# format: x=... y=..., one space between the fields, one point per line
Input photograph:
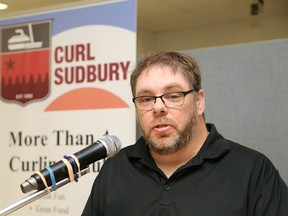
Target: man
x=182 y=166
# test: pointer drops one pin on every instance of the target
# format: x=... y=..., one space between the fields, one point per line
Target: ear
x=200 y=102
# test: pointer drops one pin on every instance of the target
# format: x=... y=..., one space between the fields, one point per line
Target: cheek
x=184 y=116
x=180 y=121
x=142 y=119
x=143 y=123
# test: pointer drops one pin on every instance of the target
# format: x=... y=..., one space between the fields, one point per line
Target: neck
x=171 y=162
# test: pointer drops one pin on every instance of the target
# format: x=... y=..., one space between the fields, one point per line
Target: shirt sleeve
x=89 y=209
x=273 y=198
x=96 y=200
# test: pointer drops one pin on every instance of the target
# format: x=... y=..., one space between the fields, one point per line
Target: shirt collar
x=214 y=146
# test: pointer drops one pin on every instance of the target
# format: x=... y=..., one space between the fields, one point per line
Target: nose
x=159 y=106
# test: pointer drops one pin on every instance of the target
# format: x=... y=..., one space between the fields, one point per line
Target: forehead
x=161 y=77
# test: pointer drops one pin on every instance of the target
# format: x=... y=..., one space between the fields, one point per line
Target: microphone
x=107 y=146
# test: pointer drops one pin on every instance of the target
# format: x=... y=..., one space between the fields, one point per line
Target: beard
x=166 y=145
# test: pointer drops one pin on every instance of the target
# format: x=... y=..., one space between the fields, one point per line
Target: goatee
x=181 y=139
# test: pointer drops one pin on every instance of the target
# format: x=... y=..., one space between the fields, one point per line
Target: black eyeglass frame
x=161 y=97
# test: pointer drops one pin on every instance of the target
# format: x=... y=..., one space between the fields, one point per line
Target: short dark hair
x=179 y=62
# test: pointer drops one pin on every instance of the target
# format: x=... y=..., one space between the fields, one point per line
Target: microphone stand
x=36 y=195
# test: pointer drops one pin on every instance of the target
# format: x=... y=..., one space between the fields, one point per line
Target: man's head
x=176 y=61
x=168 y=122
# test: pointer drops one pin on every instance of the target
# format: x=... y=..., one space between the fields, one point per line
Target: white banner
x=64 y=84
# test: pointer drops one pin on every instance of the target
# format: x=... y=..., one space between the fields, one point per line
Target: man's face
x=166 y=130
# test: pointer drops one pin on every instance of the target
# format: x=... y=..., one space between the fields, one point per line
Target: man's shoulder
x=129 y=151
x=250 y=158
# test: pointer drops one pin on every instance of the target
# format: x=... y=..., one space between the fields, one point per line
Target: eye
x=174 y=96
x=145 y=100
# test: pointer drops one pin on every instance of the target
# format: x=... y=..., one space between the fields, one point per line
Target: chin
x=163 y=145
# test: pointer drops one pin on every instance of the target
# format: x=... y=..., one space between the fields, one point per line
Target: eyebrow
x=166 y=88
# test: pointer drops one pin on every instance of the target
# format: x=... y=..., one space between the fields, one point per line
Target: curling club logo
x=25 y=61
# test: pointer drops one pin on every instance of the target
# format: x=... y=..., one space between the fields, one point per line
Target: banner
x=64 y=84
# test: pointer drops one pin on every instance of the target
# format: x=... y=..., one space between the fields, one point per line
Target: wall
x=247 y=95
x=257 y=29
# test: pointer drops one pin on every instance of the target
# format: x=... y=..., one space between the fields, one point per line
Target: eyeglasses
x=171 y=100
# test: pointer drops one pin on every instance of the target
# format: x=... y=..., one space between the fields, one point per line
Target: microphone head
x=112 y=144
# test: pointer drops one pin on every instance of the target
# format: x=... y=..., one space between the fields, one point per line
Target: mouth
x=162 y=127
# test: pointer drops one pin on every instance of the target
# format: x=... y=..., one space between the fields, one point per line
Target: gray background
x=246 y=95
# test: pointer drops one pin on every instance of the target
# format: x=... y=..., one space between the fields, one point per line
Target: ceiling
x=166 y=15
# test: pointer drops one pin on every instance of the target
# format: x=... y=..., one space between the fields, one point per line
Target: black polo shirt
x=223 y=179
